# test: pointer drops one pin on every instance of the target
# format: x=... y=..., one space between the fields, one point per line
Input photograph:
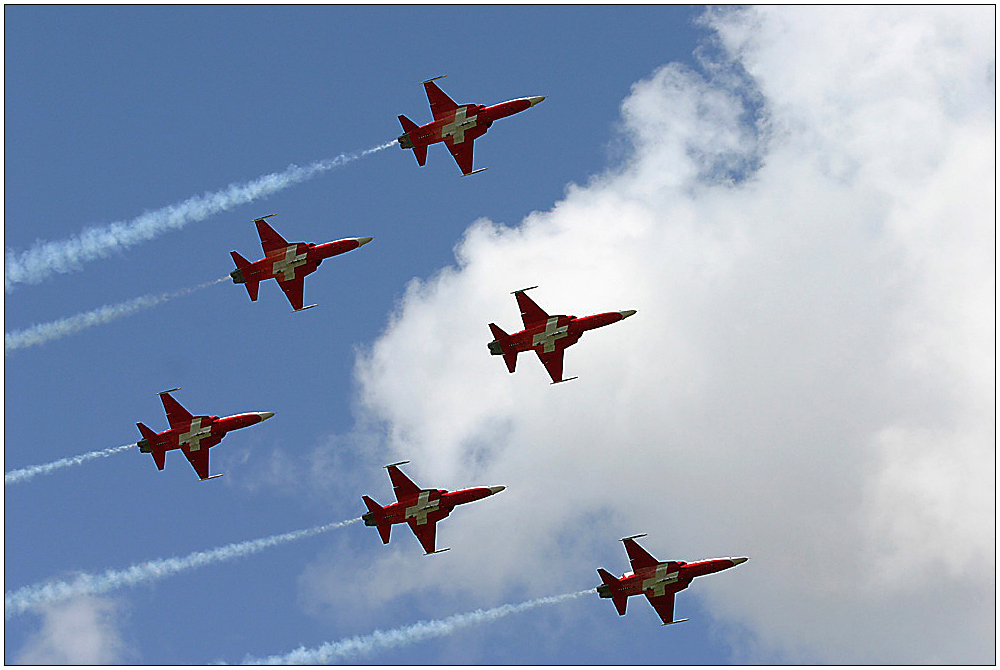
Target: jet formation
x=456 y=125
x=547 y=335
x=194 y=435
x=287 y=263
x=420 y=508
x=658 y=581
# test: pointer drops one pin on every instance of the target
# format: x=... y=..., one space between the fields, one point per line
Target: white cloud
x=82 y=631
x=807 y=234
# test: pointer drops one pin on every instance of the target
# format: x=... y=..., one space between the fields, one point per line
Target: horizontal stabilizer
x=632 y=537
x=421 y=154
x=169 y=391
x=440 y=76
x=302 y=309
x=475 y=171
x=439 y=551
x=568 y=379
x=667 y=623
x=261 y=218
x=218 y=475
x=395 y=464
x=522 y=290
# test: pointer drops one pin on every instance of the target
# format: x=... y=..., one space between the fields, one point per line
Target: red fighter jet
x=194 y=435
x=456 y=125
x=421 y=508
x=548 y=336
x=655 y=580
x=288 y=263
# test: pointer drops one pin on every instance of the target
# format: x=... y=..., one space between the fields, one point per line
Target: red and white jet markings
x=423 y=507
x=193 y=435
x=456 y=125
x=658 y=581
x=548 y=336
x=287 y=263
x=420 y=508
x=456 y=129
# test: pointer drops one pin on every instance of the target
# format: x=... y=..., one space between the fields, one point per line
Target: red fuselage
x=429 y=505
x=294 y=261
x=557 y=332
x=668 y=577
x=199 y=432
x=466 y=122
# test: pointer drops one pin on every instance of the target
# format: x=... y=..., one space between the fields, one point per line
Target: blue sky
x=791 y=367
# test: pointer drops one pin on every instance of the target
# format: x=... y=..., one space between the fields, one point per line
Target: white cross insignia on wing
x=288 y=263
x=549 y=336
x=422 y=508
x=195 y=435
x=456 y=129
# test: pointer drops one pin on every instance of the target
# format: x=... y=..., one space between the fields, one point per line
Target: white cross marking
x=456 y=129
x=658 y=582
x=422 y=508
x=288 y=264
x=195 y=435
x=549 y=336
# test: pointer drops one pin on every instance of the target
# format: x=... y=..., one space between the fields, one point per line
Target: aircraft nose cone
x=535 y=99
x=264 y=416
x=362 y=241
x=741 y=559
x=627 y=313
x=496 y=489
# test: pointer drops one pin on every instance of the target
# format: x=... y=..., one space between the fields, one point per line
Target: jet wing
x=664 y=606
x=553 y=362
x=403 y=488
x=425 y=532
x=441 y=104
x=640 y=558
x=293 y=291
x=462 y=153
x=199 y=458
x=530 y=312
x=175 y=413
x=270 y=241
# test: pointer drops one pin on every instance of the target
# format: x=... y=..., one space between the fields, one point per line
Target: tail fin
x=407 y=143
x=240 y=278
x=503 y=339
x=612 y=583
x=408 y=126
x=376 y=512
x=148 y=445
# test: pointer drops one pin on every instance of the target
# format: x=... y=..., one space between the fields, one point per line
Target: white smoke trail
x=52 y=330
x=27 y=473
x=16 y=602
x=417 y=632
x=44 y=258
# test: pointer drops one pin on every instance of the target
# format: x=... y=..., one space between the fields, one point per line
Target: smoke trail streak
x=52 y=330
x=45 y=258
x=27 y=473
x=16 y=602
x=422 y=630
